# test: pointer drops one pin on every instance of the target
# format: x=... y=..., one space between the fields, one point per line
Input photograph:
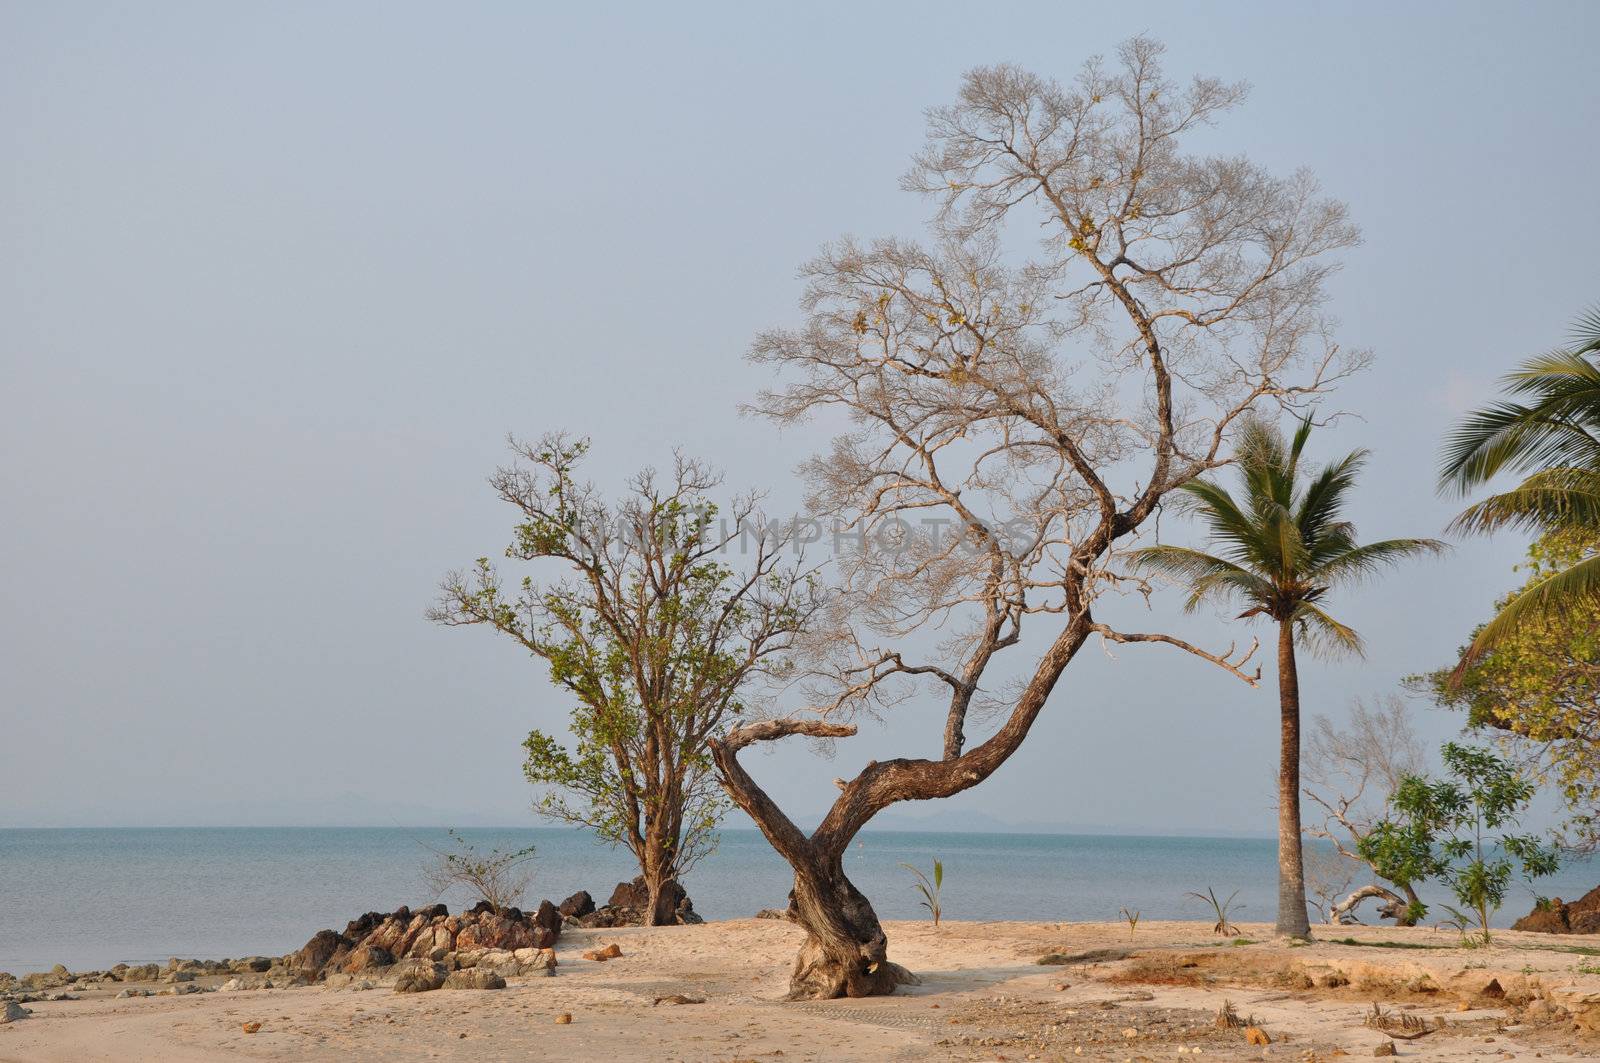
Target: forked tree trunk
x=846 y=953
x=660 y=871
x=1292 y=919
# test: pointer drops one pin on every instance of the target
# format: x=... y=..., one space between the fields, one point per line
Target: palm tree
x=1281 y=547
x=1549 y=426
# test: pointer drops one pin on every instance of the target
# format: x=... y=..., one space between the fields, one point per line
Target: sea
x=90 y=898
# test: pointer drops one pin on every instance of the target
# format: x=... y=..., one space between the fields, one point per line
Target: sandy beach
x=984 y=995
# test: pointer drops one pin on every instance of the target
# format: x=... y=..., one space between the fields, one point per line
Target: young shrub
x=929 y=888
x=1458 y=830
x=1132 y=919
x=1221 y=908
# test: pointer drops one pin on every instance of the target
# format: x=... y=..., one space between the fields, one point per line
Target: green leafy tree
x=1457 y=830
x=1549 y=428
x=667 y=612
x=1280 y=548
x=1537 y=688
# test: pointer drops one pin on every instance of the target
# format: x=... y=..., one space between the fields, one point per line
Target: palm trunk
x=1292 y=920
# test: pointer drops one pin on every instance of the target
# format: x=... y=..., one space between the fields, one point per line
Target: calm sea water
x=91 y=898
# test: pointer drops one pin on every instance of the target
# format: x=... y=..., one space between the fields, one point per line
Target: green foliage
x=1549 y=428
x=1222 y=910
x=929 y=888
x=1457 y=830
x=1537 y=688
x=653 y=635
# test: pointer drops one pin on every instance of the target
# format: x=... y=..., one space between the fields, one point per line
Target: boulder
x=12 y=1011
x=474 y=978
x=315 y=954
x=365 y=958
x=578 y=905
x=420 y=977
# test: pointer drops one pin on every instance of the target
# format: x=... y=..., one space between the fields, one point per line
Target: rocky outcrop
x=1582 y=916
x=379 y=940
x=629 y=906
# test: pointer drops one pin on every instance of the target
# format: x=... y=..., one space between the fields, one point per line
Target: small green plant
x=1132 y=919
x=499 y=876
x=1456 y=830
x=929 y=888
x=1586 y=968
x=1223 y=926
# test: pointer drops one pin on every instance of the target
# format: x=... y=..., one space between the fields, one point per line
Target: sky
x=279 y=279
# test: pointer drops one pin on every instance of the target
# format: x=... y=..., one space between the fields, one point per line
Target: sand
x=983 y=997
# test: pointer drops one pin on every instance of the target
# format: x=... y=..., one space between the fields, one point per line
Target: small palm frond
x=1586 y=332
x=1325 y=636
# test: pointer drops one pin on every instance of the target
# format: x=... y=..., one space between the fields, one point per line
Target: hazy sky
x=278 y=279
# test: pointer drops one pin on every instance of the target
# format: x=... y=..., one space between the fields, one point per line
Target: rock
x=1385 y=1049
x=12 y=1011
x=612 y=951
x=577 y=906
x=178 y=976
x=251 y=1027
x=474 y=978
x=366 y=958
x=148 y=972
x=421 y=978
x=315 y=954
x=772 y=913
x=1255 y=1035
x=564 y=1019
x=1581 y=916
x=232 y=985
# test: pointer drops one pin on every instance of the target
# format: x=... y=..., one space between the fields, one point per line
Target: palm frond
x=1558 y=426
x=1545 y=501
x=1547 y=598
x=1325 y=636
x=1362 y=562
x=1207 y=577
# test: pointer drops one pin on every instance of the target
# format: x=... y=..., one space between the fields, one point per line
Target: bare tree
x=1350 y=775
x=670 y=610
x=1014 y=424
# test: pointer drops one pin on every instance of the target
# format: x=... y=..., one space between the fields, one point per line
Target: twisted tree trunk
x=846 y=953
x=1394 y=907
x=1292 y=920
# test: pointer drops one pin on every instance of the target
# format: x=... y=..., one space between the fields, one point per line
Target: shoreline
x=983 y=995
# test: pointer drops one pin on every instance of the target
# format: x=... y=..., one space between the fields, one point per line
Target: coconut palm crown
x=1279 y=549
x=1549 y=428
